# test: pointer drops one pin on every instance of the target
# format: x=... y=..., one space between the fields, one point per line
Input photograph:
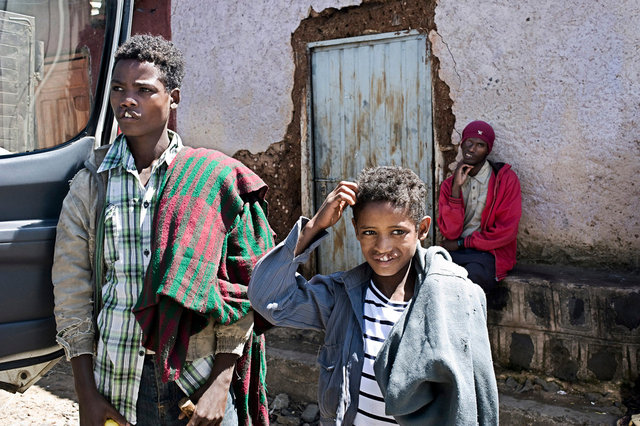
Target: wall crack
x=455 y=65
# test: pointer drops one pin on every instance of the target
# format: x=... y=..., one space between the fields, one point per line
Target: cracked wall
x=558 y=81
x=381 y=17
x=237 y=91
x=255 y=69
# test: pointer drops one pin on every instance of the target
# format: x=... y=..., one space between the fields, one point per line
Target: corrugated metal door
x=370 y=105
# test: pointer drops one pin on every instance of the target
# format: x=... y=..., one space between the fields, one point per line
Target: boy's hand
x=329 y=213
x=211 y=406
x=211 y=398
x=96 y=410
x=331 y=210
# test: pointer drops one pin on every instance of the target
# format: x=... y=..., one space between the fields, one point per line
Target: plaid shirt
x=129 y=212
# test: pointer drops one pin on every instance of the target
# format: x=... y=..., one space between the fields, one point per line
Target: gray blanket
x=435 y=367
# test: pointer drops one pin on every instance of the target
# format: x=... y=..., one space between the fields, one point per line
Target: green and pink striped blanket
x=200 y=269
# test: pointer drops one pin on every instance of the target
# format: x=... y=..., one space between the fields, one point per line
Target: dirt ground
x=51 y=401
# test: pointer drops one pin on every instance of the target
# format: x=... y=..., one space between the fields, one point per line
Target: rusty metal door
x=370 y=105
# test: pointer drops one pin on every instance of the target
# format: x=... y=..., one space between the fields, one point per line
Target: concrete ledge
x=292 y=372
x=570 y=323
x=520 y=411
x=291 y=362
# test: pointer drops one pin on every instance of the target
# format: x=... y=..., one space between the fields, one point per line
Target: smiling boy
x=118 y=242
x=405 y=332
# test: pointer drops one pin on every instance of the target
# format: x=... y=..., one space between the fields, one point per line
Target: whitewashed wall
x=237 y=90
x=559 y=81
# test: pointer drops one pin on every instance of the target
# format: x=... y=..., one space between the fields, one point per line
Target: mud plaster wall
x=370 y=18
x=254 y=68
x=237 y=92
x=560 y=83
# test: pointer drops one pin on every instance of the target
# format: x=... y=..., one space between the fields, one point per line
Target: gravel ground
x=52 y=401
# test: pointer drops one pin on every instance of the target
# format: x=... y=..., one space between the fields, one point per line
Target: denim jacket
x=334 y=304
x=77 y=267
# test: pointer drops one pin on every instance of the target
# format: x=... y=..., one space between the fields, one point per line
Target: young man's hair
x=155 y=49
x=400 y=186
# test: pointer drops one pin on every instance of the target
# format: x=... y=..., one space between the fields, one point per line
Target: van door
x=55 y=63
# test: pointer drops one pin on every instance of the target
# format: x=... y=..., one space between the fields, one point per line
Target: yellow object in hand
x=187 y=407
x=111 y=422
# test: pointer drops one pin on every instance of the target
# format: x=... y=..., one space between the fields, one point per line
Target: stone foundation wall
x=572 y=324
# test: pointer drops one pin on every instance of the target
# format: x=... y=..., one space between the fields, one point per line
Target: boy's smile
x=139 y=99
x=388 y=238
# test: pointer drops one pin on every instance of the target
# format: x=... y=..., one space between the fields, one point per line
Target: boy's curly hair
x=398 y=185
x=155 y=49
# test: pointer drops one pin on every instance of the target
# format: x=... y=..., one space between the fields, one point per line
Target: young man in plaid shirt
x=105 y=245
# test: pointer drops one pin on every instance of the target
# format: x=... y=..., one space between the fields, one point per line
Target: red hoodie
x=500 y=217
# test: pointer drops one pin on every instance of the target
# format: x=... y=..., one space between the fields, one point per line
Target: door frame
x=307 y=161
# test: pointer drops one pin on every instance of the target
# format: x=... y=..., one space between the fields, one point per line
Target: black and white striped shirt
x=379 y=317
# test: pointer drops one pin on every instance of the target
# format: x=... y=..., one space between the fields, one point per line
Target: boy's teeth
x=127 y=115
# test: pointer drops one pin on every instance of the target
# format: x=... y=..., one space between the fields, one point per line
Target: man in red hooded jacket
x=479 y=209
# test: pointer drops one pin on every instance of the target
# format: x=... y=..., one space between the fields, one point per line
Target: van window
x=50 y=54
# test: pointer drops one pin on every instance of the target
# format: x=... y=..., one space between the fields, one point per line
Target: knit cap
x=481 y=130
